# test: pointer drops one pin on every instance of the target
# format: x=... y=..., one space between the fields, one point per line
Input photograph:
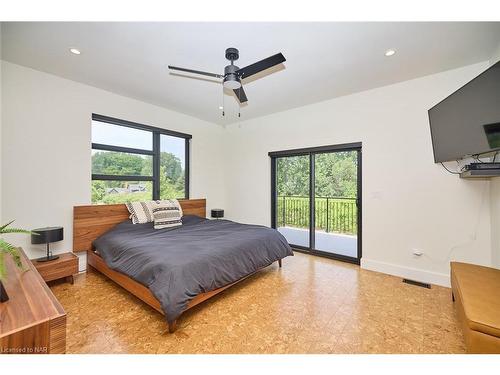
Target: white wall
x=408 y=201
x=46 y=142
x=495 y=221
x=495 y=200
x=1 y=174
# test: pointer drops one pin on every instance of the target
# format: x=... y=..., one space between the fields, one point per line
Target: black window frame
x=155 y=153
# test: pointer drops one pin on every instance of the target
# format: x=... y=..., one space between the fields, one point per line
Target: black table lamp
x=217 y=213
x=46 y=236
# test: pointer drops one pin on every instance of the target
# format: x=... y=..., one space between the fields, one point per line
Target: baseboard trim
x=406 y=272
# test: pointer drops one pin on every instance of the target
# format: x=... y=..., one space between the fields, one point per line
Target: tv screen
x=468 y=121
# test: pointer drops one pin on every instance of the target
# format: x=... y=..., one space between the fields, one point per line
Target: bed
x=174 y=269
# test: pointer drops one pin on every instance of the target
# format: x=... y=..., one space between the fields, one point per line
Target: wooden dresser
x=32 y=320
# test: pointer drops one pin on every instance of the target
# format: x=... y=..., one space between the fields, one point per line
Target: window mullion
x=156 y=165
x=111 y=177
x=128 y=150
x=186 y=168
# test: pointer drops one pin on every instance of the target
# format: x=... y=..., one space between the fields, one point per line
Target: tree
x=293 y=176
x=172 y=167
x=171 y=176
x=119 y=163
x=98 y=191
x=168 y=190
x=335 y=175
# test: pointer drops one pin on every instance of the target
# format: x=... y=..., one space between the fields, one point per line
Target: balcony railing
x=333 y=214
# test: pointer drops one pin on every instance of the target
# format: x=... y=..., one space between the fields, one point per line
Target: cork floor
x=311 y=305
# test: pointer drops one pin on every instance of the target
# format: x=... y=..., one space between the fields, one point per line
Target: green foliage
x=169 y=187
x=7 y=248
x=336 y=177
x=293 y=176
x=336 y=174
x=118 y=163
x=98 y=191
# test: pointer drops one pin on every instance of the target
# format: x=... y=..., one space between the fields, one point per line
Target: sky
x=134 y=138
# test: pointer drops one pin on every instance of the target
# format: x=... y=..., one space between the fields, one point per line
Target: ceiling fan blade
x=261 y=65
x=240 y=94
x=195 y=71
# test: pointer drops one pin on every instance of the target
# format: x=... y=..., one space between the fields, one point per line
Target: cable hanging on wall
x=449 y=171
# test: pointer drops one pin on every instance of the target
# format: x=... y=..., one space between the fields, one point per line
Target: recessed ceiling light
x=75 y=51
x=390 y=52
x=221 y=107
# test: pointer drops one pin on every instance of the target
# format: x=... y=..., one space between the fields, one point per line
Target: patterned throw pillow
x=140 y=212
x=165 y=202
x=167 y=214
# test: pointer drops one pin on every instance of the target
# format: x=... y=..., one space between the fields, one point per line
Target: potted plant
x=7 y=248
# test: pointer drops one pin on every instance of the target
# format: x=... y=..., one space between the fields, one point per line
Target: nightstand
x=63 y=267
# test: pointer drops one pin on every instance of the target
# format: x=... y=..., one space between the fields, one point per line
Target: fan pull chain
x=239 y=118
x=239 y=107
x=223 y=105
x=239 y=102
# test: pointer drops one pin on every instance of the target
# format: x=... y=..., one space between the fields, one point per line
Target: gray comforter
x=199 y=256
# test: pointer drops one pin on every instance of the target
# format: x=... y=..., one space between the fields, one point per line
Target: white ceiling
x=324 y=60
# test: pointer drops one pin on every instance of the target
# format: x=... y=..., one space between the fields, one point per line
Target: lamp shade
x=217 y=212
x=47 y=235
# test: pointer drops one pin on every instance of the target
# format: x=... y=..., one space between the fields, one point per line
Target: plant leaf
x=7 y=248
x=6 y=225
x=10 y=249
x=16 y=230
x=3 y=272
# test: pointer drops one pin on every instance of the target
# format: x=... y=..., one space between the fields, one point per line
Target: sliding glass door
x=335 y=197
x=316 y=201
x=293 y=202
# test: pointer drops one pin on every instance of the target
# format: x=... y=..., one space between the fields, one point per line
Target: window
x=134 y=162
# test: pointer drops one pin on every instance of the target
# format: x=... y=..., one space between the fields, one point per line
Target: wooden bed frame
x=89 y=222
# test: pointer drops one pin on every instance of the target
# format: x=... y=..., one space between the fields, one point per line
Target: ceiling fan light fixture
x=232 y=82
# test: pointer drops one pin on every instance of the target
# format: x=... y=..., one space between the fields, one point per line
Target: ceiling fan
x=233 y=75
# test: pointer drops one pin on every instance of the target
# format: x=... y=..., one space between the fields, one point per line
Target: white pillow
x=167 y=214
x=140 y=212
x=168 y=202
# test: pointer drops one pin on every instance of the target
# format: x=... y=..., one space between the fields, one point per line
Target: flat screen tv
x=468 y=121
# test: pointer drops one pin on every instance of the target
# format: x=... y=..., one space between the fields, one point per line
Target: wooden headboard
x=89 y=222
